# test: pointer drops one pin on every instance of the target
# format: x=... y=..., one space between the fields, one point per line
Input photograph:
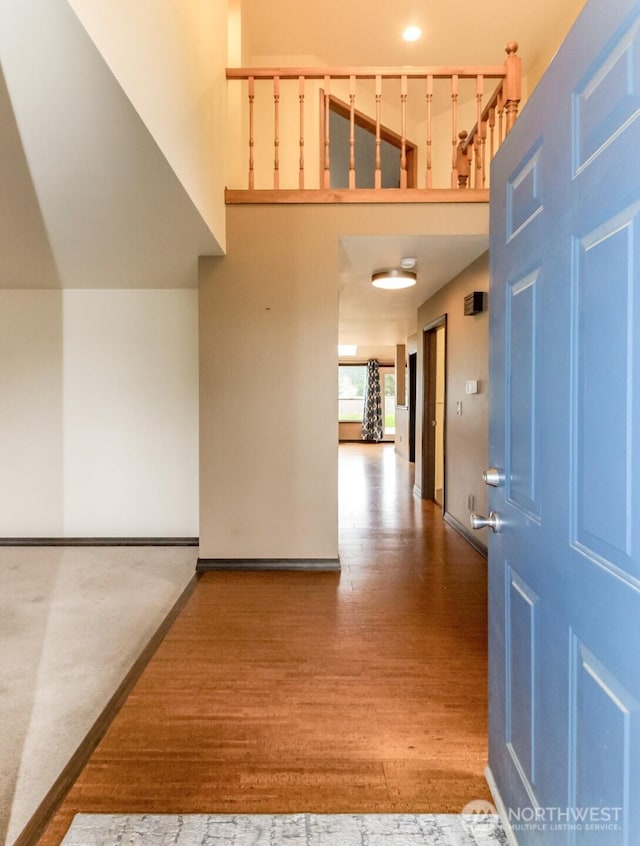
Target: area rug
x=285 y=830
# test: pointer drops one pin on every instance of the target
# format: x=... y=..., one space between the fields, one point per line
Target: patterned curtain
x=372 y=424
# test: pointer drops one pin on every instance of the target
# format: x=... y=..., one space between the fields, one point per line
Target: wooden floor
x=292 y=692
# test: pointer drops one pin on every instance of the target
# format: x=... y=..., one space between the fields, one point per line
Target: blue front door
x=564 y=571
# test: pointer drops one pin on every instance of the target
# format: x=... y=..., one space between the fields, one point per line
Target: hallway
x=357 y=691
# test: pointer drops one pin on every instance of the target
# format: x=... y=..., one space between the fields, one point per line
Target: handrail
x=467 y=148
x=411 y=72
x=504 y=100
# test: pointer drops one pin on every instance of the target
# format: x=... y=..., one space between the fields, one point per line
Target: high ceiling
x=104 y=164
x=368 y=32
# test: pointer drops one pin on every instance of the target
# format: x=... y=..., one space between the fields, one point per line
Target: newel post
x=463 y=165
x=512 y=83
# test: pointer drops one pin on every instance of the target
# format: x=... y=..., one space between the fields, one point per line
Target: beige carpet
x=72 y=623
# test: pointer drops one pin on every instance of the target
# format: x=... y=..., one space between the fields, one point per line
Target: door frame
x=413 y=372
x=429 y=360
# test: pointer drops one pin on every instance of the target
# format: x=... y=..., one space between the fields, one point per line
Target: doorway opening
x=434 y=412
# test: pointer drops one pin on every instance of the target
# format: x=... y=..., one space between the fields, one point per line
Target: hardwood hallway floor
x=315 y=692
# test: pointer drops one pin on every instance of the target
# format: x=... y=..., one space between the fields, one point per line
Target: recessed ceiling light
x=393 y=279
x=412 y=33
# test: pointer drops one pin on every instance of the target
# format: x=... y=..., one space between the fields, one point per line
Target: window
x=351 y=384
x=389 y=403
x=351 y=381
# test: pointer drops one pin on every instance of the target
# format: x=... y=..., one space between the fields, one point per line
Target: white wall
x=269 y=399
x=170 y=60
x=467 y=357
x=99 y=423
x=31 y=413
x=569 y=11
x=91 y=200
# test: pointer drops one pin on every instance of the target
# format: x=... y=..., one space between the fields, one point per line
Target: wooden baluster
x=378 y=174
x=505 y=107
x=500 y=116
x=326 y=180
x=492 y=132
x=276 y=134
x=352 y=132
x=403 y=137
x=301 y=98
x=512 y=83
x=483 y=154
x=476 y=141
x=454 y=127
x=252 y=96
x=462 y=164
x=477 y=154
x=428 y=156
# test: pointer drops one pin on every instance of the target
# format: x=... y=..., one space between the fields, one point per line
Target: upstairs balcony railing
x=442 y=123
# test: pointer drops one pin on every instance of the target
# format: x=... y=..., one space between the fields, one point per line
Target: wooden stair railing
x=503 y=105
x=468 y=149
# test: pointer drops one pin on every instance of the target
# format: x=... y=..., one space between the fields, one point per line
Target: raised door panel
x=565 y=425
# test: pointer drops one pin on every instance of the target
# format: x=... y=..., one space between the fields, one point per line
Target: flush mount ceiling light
x=393 y=279
x=412 y=33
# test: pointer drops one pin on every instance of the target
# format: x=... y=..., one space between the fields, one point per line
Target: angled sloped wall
x=170 y=60
x=113 y=211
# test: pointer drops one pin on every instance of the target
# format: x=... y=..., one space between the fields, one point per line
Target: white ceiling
x=368 y=32
x=370 y=315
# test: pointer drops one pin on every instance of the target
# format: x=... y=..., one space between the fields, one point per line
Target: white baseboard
x=501 y=808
